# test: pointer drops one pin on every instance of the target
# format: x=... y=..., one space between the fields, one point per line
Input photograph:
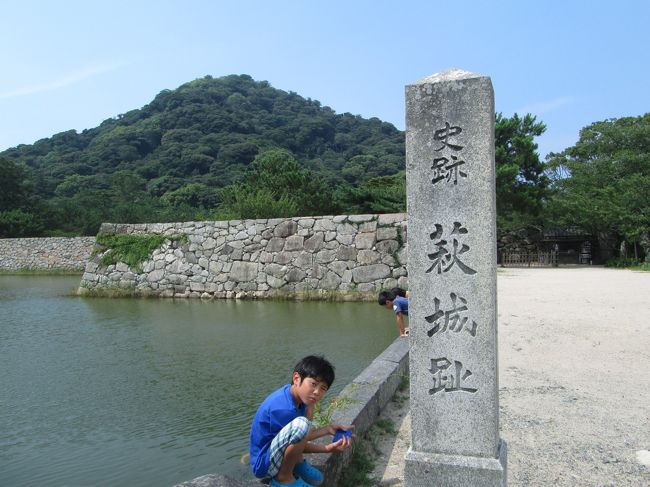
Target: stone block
x=391 y=218
x=387 y=246
x=323 y=224
x=285 y=228
x=318 y=271
x=197 y=286
x=266 y=257
x=304 y=260
x=315 y=242
x=294 y=242
x=366 y=257
x=276 y=244
x=369 y=273
x=295 y=275
x=325 y=256
x=243 y=271
x=338 y=266
x=360 y=218
x=346 y=229
x=156 y=275
x=346 y=253
x=364 y=240
x=276 y=270
x=330 y=281
x=368 y=227
x=345 y=239
x=284 y=257
x=386 y=233
x=333 y=245
x=275 y=282
x=306 y=222
x=346 y=278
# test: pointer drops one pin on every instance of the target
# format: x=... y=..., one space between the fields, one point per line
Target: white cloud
x=69 y=79
x=542 y=107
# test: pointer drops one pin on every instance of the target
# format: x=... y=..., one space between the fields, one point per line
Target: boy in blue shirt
x=397 y=300
x=281 y=431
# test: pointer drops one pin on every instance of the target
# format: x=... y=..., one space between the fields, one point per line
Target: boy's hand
x=342 y=444
x=333 y=428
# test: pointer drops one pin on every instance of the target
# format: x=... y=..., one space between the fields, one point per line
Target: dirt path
x=574 y=372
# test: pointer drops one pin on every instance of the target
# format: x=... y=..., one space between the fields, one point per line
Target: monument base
x=432 y=469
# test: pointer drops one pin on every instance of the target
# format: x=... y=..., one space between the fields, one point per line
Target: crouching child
x=282 y=431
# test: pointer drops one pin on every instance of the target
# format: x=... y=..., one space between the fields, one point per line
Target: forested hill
x=210 y=129
x=189 y=142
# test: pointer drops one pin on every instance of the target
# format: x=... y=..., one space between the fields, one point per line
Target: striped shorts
x=292 y=433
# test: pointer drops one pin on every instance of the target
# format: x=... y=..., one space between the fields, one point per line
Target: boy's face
x=388 y=304
x=310 y=390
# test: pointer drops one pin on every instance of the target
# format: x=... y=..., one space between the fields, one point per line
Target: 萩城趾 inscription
x=450 y=179
x=445 y=255
x=447 y=378
x=453 y=319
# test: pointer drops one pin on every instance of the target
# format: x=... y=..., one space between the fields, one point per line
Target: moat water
x=133 y=392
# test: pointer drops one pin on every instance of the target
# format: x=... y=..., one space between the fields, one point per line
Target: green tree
x=16 y=188
x=385 y=194
x=276 y=175
x=521 y=184
x=195 y=195
x=19 y=206
x=601 y=183
x=19 y=223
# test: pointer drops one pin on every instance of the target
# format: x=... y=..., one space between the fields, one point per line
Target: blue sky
x=71 y=64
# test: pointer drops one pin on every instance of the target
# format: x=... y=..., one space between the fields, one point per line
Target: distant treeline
x=233 y=147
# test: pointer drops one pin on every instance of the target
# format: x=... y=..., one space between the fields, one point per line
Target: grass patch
x=361 y=464
x=113 y=292
x=326 y=295
x=364 y=451
x=131 y=249
x=404 y=383
x=323 y=416
x=641 y=267
x=41 y=272
x=628 y=263
x=386 y=426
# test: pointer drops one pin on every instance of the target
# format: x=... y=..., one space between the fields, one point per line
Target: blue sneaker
x=295 y=483
x=308 y=473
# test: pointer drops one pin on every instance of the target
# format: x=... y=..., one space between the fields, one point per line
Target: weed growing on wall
x=131 y=249
x=323 y=416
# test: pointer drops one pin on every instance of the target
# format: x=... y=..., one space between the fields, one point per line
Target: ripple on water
x=149 y=392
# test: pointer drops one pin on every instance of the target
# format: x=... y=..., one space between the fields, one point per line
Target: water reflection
x=153 y=392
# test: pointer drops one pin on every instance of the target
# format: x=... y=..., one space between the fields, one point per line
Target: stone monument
x=452 y=279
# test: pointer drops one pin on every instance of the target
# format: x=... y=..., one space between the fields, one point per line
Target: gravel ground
x=574 y=373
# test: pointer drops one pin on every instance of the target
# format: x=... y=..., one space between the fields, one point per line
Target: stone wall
x=345 y=257
x=52 y=253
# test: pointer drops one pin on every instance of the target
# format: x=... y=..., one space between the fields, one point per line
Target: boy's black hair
x=398 y=291
x=385 y=296
x=315 y=367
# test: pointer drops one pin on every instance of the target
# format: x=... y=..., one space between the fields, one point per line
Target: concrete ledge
x=361 y=402
x=367 y=395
